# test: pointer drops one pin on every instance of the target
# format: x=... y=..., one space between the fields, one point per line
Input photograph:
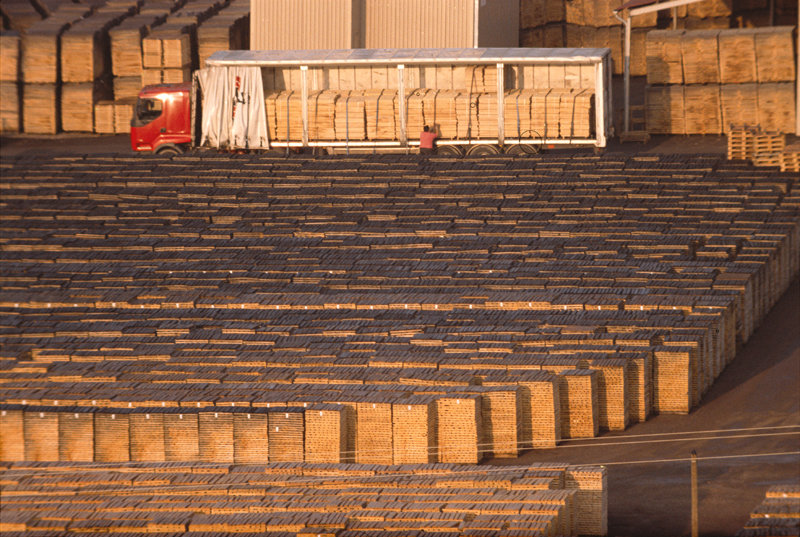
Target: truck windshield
x=146 y=111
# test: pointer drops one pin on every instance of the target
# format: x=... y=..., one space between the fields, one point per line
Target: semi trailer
x=480 y=101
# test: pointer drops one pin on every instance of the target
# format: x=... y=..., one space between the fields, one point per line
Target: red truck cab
x=161 y=121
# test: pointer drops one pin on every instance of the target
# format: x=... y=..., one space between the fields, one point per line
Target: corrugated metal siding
x=418 y=23
x=498 y=23
x=303 y=24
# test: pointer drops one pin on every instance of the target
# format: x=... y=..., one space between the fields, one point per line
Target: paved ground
x=755 y=401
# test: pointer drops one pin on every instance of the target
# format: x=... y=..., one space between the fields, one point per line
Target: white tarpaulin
x=233 y=107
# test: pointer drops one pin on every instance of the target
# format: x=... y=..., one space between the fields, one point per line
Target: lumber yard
x=268 y=315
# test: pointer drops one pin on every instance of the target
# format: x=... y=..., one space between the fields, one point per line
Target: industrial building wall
x=419 y=23
x=305 y=24
x=344 y=24
x=498 y=24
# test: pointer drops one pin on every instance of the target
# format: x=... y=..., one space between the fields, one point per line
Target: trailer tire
x=169 y=150
x=449 y=150
x=483 y=150
x=523 y=149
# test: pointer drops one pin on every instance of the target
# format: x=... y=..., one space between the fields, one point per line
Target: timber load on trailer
x=481 y=101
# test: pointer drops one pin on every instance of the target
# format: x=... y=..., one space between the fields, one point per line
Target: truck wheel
x=483 y=150
x=449 y=150
x=522 y=149
x=168 y=151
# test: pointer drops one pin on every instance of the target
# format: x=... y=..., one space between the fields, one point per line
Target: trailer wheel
x=449 y=150
x=483 y=150
x=523 y=149
x=168 y=151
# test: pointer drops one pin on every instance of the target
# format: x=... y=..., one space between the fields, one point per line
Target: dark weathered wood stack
x=778 y=514
x=741 y=76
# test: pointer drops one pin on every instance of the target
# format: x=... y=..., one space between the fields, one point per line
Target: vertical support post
x=476 y=19
x=695 y=520
x=401 y=93
x=304 y=104
x=627 y=62
x=674 y=18
x=601 y=87
x=797 y=79
x=501 y=104
x=626 y=23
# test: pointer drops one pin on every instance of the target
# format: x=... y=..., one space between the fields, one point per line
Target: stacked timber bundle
x=12 y=435
x=123 y=113
x=112 y=437
x=411 y=436
x=349 y=116
x=181 y=435
x=701 y=108
x=373 y=435
x=444 y=113
x=379 y=107
x=9 y=81
x=227 y=30
x=754 y=66
x=40 y=108
x=699 y=56
x=286 y=435
x=19 y=14
x=215 y=436
x=737 y=56
x=41 y=435
x=457 y=425
x=480 y=79
x=146 y=436
x=774 y=58
x=325 y=434
x=579 y=404
x=778 y=514
x=739 y=105
x=76 y=436
x=664 y=57
x=321 y=111
x=250 y=437
x=775 y=109
x=40 y=46
x=665 y=105
x=790 y=158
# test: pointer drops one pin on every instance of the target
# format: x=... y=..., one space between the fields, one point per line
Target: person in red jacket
x=427 y=139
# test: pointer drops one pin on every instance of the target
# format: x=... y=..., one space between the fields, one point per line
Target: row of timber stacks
x=293 y=500
x=778 y=515
x=341 y=310
x=80 y=68
x=591 y=23
x=339 y=115
x=704 y=81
